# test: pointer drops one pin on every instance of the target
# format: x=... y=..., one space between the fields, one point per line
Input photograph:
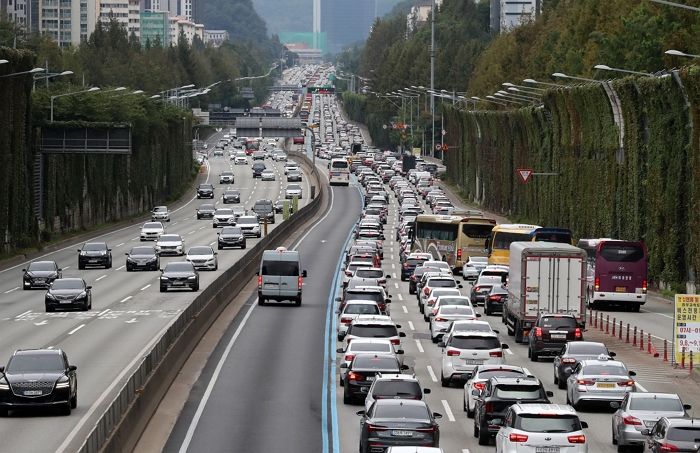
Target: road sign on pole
x=438 y=147
x=525 y=174
x=686 y=326
x=445 y=147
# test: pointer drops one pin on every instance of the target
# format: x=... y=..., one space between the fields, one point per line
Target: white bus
x=339 y=172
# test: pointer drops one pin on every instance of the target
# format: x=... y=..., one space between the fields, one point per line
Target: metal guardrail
x=122 y=423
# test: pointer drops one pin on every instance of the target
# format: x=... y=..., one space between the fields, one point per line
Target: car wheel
x=298 y=302
x=243 y=246
x=219 y=247
x=67 y=409
x=444 y=382
x=128 y=268
x=340 y=338
x=74 y=401
x=475 y=430
x=109 y=264
x=85 y=307
x=163 y=289
x=347 y=399
x=426 y=319
x=484 y=437
x=4 y=412
x=261 y=301
x=195 y=287
x=487 y=310
x=341 y=382
x=216 y=267
x=81 y=266
x=470 y=413
x=556 y=379
x=259 y=235
x=50 y=309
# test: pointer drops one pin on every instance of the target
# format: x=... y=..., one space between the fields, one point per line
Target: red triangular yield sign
x=524 y=174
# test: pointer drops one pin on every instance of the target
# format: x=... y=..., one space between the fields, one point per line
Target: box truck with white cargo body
x=544 y=277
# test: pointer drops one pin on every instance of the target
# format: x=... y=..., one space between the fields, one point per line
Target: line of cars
x=508 y=403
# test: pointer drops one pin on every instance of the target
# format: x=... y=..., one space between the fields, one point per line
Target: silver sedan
x=601 y=380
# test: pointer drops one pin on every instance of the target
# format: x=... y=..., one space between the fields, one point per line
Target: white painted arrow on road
x=41 y=323
x=132 y=320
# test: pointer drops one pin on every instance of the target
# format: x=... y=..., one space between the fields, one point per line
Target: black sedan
x=65 y=293
x=145 y=258
x=397 y=422
x=231 y=237
x=362 y=371
x=179 y=274
x=95 y=254
x=232 y=196
x=205 y=211
x=571 y=354
x=205 y=191
x=40 y=274
x=495 y=300
x=38 y=378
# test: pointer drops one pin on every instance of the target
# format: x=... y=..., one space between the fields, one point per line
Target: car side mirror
x=124 y=254
x=496 y=331
x=341 y=335
x=584 y=425
x=426 y=391
x=646 y=432
x=340 y=350
x=437 y=415
x=109 y=250
x=632 y=373
x=398 y=326
x=79 y=250
x=460 y=286
x=337 y=299
x=549 y=394
x=218 y=234
x=612 y=354
x=387 y=301
x=89 y=287
x=360 y=413
x=161 y=271
x=257 y=273
x=72 y=368
x=387 y=276
x=615 y=404
x=404 y=367
x=400 y=351
x=504 y=346
x=304 y=273
x=24 y=270
x=478 y=315
x=441 y=344
x=216 y=253
x=343 y=365
x=2 y=369
x=687 y=407
x=60 y=269
x=402 y=334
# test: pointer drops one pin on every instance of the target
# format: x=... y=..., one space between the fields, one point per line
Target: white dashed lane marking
x=432 y=373
x=76 y=329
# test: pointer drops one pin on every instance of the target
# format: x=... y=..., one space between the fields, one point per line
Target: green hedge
x=648 y=190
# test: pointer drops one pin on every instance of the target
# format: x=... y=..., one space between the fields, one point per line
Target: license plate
x=66 y=301
x=620 y=289
x=601 y=385
x=401 y=433
x=32 y=392
x=370 y=378
x=546 y=449
x=178 y=283
x=649 y=424
x=94 y=261
x=473 y=361
x=558 y=336
x=40 y=280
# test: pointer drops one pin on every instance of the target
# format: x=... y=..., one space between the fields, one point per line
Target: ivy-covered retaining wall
x=648 y=189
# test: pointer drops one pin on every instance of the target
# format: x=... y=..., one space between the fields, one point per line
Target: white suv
x=395 y=386
x=373 y=326
x=541 y=427
x=463 y=351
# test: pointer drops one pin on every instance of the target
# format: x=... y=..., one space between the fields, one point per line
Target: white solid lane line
x=508 y=351
x=432 y=373
x=120 y=267
x=448 y=411
x=126 y=298
x=419 y=345
x=119 y=245
x=401 y=297
x=13 y=289
x=145 y=287
x=405 y=310
x=76 y=329
x=410 y=325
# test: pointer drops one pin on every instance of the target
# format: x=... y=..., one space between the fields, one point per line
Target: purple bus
x=617 y=273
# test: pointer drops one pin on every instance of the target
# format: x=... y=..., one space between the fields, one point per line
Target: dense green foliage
x=645 y=190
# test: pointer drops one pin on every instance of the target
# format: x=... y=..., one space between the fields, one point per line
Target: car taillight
x=348 y=273
x=395 y=341
x=488 y=407
x=585 y=382
x=259 y=281
x=432 y=429
x=644 y=285
x=577 y=333
x=517 y=437
x=349 y=357
x=495 y=298
x=628 y=383
x=538 y=332
x=577 y=439
x=496 y=354
x=373 y=428
x=667 y=447
x=355 y=376
x=597 y=283
x=345 y=320
x=479 y=385
x=459 y=254
x=405 y=265
x=568 y=360
x=630 y=420
x=452 y=352
x=438 y=319
x=300 y=282
x=426 y=291
x=477 y=289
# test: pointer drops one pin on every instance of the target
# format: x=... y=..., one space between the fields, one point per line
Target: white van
x=280 y=277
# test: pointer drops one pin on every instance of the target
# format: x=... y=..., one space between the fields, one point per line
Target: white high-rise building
x=68 y=22
x=125 y=12
x=186 y=9
x=508 y=14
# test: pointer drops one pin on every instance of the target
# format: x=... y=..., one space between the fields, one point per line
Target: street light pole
x=69 y=94
x=432 y=74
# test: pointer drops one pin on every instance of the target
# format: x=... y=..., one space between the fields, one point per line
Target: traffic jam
x=443 y=309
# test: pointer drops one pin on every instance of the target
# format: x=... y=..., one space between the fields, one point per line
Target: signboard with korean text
x=686 y=325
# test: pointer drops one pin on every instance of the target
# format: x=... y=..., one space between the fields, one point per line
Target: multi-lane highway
x=128 y=312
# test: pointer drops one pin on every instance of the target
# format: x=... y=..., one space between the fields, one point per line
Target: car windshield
x=364 y=295
x=206 y=207
x=369 y=273
x=487 y=374
x=206 y=187
x=42 y=266
x=361 y=309
x=479 y=260
x=473 y=326
x=372 y=362
x=525 y=392
x=401 y=411
x=179 y=267
x=160 y=209
x=545 y=423
x=558 y=322
x=397 y=388
x=231 y=192
x=152 y=225
x=231 y=230
x=94 y=246
x=604 y=370
x=656 y=404
x=283 y=268
x=456 y=310
x=446 y=300
x=169 y=238
x=35 y=363
x=582 y=348
x=373 y=330
x=357 y=346
x=223 y=212
x=294 y=187
x=442 y=283
x=200 y=251
x=684 y=434
x=68 y=283
x=143 y=251
x=480 y=343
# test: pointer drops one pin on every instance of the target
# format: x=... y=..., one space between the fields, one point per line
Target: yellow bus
x=451 y=238
x=502 y=235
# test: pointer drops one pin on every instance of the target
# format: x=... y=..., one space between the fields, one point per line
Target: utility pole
x=432 y=75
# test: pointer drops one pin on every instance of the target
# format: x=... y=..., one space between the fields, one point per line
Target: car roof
x=540 y=408
x=601 y=361
x=475 y=333
x=516 y=380
x=373 y=319
x=652 y=395
x=38 y=351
